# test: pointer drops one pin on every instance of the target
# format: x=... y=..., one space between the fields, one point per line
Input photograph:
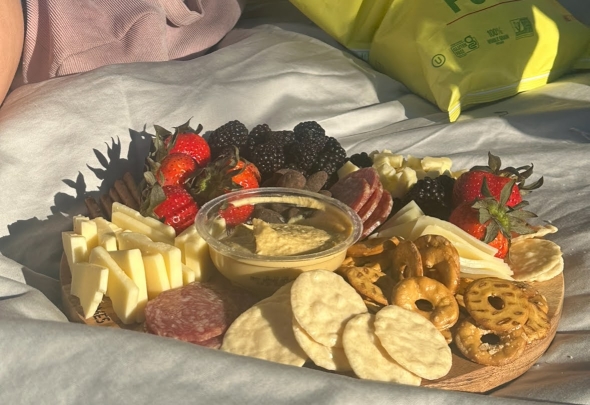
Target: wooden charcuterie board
x=464 y=375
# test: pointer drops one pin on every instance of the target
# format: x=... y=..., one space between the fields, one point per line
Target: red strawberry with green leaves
x=493 y=221
x=174 y=169
x=468 y=186
x=229 y=172
x=172 y=205
x=188 y=141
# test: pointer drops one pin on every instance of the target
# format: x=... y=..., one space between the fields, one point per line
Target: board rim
x=479 y=379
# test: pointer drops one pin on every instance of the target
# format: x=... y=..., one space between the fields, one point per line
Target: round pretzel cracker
x=413 y=342
x=495 y=304
x=368 y=358
x=537 y=326
x=530 y=258
x=322 y=303
x=330 y=358
x=265 y=331
x=440 y=260
x=485 y=347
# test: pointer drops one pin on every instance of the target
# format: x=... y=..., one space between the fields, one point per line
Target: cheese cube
x=89 y=283
x=171 y=254
x=75 y=247
x=158 y=226
x=122 y=290
x=87 y=228
x=156 y=276
x=131 y=263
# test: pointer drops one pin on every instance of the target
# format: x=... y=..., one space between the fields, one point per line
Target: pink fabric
x=71 y=36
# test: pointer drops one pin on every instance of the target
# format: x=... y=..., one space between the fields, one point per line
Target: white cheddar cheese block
x=188 y=275
x=171 y=254
x=75 y=247
x=409 y=212
x=122 y=290
x=403 y=231
x=134 y=225
x=425 y=221
x=195 y=253
x=87 y=228
x=107 y=233
x=151 y=222
x=89 y=283
x=156 y=276
x=131 y=263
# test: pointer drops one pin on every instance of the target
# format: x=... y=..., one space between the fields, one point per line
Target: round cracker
x=322 y=303
x=265 y=331
x=539 y=232
x=330 y=358
x=530 y=258
x=552 y=272
x=413 y=341
x=367 y=357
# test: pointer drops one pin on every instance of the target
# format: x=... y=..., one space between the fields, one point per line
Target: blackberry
x=331 y=158
x=232 y=133
x=268 y=158
x=301 y=155
x=282 y=138
x=433 y=196
x=361 y=160
x=310 y=127
x=258 y=135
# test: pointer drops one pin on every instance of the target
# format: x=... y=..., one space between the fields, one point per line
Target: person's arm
x=12 y=34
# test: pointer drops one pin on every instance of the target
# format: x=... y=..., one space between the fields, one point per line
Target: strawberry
x=492 y=221
x=188 y=141
x=229 y=172
x=236 y=215
x=178 y=209
x=175 y=169
x=468 y=186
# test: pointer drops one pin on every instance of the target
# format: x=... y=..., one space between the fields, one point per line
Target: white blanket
x=66 y=137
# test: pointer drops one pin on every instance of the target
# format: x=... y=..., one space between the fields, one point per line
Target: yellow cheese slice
x=134 y=225
x=89 y=283
x=131 y=263
x=153 y=223
x=87 y=228
x=188 y=275
x=75 y=247
x=195 y=253
x=122 y=290
x=107 y=233
x=156 y=276
x=171 y=254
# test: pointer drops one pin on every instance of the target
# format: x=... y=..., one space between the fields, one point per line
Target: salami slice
x=196 y=313
x=352 y=191
x=356 y=188
x=367 y=209
x=379 y=215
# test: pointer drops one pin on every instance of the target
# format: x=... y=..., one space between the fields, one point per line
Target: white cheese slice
x=171 y=254
x=89 y=283
x=122 y=290
x=151 y=222
x=134 y=225
x=156 y=276
x=409 y=212
x=470 y=272
x=75 y=247
x=425 y=221
x=87 y=228
x=403 y=231
x=195 y=253
x=131 y=263
x=188 y=275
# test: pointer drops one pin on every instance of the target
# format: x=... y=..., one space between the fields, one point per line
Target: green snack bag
x=351 y=22
x=459 y=53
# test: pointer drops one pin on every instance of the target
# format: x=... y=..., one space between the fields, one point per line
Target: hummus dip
x=288 y=239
